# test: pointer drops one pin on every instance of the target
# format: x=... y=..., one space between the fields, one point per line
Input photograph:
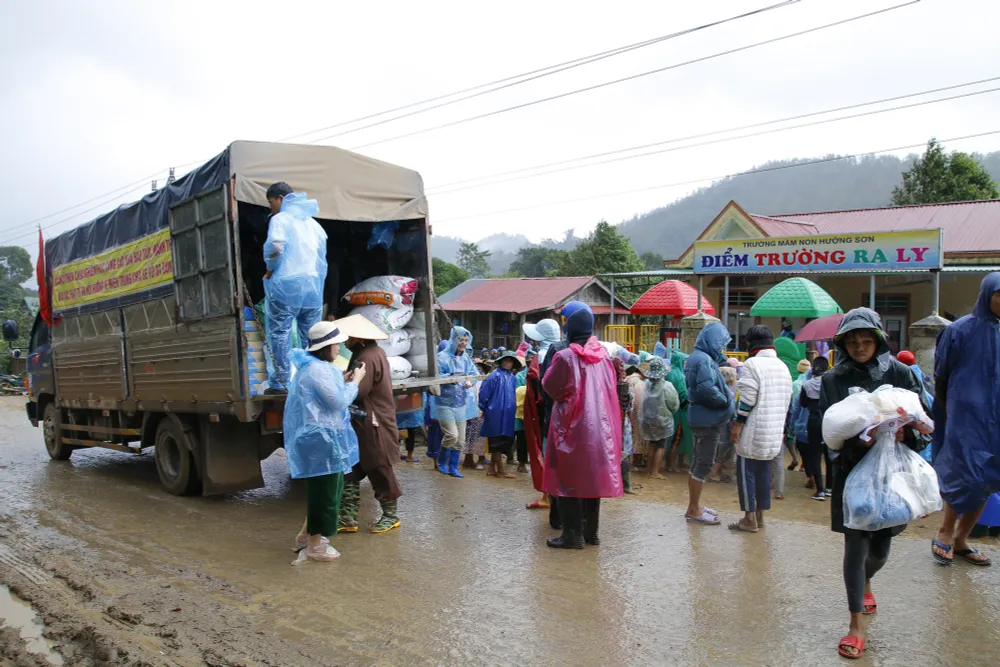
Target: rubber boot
x=591 y=520
x=389 y=519
x=627 y=476
x=350 y=503
x=554 y=521
x=443 y=458
x=453 y=456
x=570 y=511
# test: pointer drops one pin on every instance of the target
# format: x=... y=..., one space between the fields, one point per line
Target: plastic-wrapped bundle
x=385 y=318
x=397 y=344
x=891 y=486
x=418 y=363
x=392 y=291
x=400 y=368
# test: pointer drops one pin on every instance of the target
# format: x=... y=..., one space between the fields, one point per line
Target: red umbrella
x=671 y=297
x=824 y=328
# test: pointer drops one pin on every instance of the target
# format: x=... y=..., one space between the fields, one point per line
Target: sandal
x=870 y=606
x=706 y=519
x=851 y=642
x=779 y=496
x=537 y=505
x=969 y=556
x=946 y=548
x=793 y=466
x=740 y=527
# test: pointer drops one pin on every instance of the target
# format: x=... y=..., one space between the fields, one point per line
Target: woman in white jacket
x=765 y=390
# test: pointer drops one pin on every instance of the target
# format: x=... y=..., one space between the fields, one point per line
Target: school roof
x=521 y=295
x=970 y=228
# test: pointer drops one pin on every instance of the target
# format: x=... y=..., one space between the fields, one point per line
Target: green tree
x=473 y=260
x=938 y=177
x=15 y=264
x=652 y=260
x=15 y=268
x=447 y=276
x=536 y=261
x=604 y=250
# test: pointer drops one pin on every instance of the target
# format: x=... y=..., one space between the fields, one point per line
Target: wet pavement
x=147 y=578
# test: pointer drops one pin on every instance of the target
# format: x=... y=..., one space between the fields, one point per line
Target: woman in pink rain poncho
x=584 y=450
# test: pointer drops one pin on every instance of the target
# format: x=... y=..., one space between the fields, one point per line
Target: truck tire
x=53 y=435
x=174 y=461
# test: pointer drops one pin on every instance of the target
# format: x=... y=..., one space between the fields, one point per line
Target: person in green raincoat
x=683 y=441
x=791 y=353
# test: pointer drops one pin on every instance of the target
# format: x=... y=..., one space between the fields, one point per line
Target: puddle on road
x=16 y=613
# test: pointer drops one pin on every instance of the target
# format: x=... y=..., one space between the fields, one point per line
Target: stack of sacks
x=387 y=302
x=418 y=344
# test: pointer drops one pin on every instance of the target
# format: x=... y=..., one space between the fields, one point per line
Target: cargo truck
x=155 y=341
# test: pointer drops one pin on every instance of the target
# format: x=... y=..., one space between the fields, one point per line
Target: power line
x=711 y=178
x=493 y=86
x=631 y=77
x=725 y=139
x=518 y=79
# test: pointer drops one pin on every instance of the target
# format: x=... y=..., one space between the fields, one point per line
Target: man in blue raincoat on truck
x=966 y=445
x=295 y=255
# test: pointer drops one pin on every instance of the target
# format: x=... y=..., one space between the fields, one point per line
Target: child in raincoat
x=683 y=441
x=456 y=405
x=656 y=420
x=498 y=403
x=319 y=440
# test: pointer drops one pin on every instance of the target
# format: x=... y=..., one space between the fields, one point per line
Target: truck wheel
x=53 y=435
x=174 y=462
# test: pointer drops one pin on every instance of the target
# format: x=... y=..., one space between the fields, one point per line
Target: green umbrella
x=795 y=298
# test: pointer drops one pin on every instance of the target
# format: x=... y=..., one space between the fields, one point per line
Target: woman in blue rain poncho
x=457 y=403
x=295 y=255
x=966 y=446
x=320 y=443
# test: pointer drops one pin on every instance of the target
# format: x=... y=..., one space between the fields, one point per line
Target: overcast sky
x=98 y=95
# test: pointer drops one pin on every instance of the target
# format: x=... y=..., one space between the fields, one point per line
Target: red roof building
x=494 y=309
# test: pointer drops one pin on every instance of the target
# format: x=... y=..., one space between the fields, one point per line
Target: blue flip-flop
x=943 y=547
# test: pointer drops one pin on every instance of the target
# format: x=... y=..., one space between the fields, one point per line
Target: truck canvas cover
x=125 y=256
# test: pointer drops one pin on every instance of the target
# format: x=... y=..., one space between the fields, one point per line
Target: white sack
x=397 y=344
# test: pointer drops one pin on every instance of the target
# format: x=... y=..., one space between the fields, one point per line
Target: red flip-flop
x=869 y=605
x=851 y=642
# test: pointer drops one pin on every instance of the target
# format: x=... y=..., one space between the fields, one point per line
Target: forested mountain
x=773 y=188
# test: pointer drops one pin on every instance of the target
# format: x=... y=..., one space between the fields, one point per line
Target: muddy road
x=120 y=573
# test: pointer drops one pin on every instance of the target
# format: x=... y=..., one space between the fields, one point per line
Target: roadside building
x=901 y=277
x=494 y=309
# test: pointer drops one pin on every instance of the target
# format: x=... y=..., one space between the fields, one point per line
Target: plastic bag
x=400 y=368
x=418 y=339
x=848 y=418
x=392 y=291
x=418 y=363
x=385 y=318
x=891 y=486
x=397 y=344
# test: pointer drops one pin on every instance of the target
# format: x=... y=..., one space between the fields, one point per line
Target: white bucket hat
x=543 y=331
x=325 y=334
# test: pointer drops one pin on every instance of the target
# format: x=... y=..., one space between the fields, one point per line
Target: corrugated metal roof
x=511 y=295
x=972 y=226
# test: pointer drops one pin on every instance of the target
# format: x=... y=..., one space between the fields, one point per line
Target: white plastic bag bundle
x=848 y=418
x=419 y=363
x=418 y=339
x=400 y=368
x=419 y=320
x=391 y=291
x=385 y=318
x=397 y=344
x=891 y=486
x=889 y=400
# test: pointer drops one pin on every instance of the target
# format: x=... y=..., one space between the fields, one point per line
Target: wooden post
x=489 y=336
x=612 y=301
